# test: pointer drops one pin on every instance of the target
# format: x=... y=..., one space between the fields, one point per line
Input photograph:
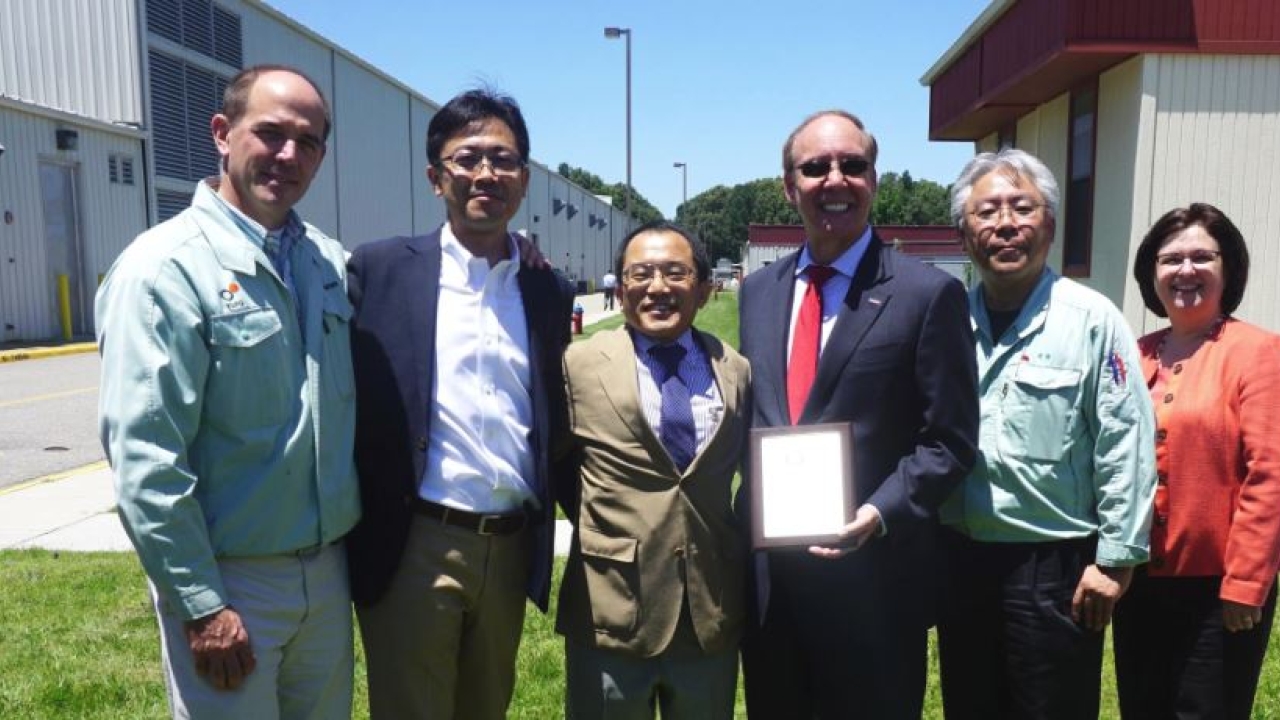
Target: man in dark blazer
x=456 y=347
x=840 y=632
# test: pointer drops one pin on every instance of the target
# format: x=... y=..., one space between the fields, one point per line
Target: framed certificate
x=801 y=484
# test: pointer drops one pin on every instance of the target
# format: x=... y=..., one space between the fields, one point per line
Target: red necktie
x=806 y=341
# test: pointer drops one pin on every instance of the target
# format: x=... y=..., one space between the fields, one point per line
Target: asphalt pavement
x=74 y=509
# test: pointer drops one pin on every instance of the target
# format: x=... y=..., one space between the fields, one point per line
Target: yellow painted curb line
x=44 y=352
x=91 y=467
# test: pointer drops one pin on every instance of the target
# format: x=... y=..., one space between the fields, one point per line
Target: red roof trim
x=1038 y=49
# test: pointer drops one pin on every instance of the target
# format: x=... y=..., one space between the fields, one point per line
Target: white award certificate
x=802 y=484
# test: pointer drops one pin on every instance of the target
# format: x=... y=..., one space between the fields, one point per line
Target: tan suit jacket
x=646 y=535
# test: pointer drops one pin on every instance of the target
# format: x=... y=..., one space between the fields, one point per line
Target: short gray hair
x=1019 y=162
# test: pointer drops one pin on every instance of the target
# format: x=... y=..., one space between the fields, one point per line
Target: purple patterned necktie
x=676 y=428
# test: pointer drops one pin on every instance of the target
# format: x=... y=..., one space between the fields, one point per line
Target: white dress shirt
x=478 y=454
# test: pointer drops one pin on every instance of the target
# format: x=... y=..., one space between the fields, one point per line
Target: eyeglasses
x=819 y=168
x=1021 y=211
x=1198 y=258
x=500 y=162
x=674 y=273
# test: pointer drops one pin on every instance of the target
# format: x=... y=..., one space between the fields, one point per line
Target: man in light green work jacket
x=227 y=410
x=1046 y=529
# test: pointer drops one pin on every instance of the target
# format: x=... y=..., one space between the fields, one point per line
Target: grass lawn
x=78 y=638
x=79 y=641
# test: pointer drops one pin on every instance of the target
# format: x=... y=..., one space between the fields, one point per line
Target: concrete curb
x=35 y=353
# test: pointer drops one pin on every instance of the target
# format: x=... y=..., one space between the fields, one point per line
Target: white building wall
x=759 y=256
x=109 y=215
x=536 y=200
x=1216 y=138
x=1115 y=173
x=374 y=158
x=84 y=64
x=268 y=38
x=1043 y=133
x=556 y=243
x=78 y=56
x=428 y=210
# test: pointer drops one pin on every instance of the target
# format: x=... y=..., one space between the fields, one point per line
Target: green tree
x=903 y=200
x=720 y=215
x=642 y=210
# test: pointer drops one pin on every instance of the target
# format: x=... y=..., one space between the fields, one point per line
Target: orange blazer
x=1217 y=507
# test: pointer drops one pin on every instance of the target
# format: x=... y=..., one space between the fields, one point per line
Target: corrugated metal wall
x=374 y=181
x=374 y=167
x=428 y=210
x=1216 y=139
x=79 y=56
x=1114 y=178
x=109 y=214
x=86 y=57
x=266 y=39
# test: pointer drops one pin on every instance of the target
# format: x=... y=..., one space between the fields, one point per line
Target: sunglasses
x=849 y=167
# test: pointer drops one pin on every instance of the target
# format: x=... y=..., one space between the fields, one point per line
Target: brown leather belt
x=507 y=524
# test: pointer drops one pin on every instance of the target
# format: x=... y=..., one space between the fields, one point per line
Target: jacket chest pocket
x=250 y=374
x=1039 y=410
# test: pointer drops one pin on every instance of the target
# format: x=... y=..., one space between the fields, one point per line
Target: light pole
x=684 y=182
x=614 y=33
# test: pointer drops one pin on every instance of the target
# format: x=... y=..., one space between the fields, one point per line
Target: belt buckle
x=483 y=528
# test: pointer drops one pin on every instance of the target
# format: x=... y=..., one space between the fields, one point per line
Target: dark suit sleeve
x=947 y=440
x=383 y=456
x=564 y=454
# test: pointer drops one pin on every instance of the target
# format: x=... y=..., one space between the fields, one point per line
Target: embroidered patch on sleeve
x=1119 y=373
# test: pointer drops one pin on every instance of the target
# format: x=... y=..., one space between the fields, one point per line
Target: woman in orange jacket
x=1191 y=633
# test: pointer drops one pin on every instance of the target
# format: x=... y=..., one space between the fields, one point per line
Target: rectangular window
x=1077 y=245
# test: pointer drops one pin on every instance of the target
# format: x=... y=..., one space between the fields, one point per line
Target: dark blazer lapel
x=422 y=265
x=867 y=298
x=775 y=330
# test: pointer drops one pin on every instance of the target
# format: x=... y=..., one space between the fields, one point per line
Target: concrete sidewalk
x=76 y=511
x=69 y=511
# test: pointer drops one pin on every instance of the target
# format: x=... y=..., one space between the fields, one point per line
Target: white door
x=64 y=246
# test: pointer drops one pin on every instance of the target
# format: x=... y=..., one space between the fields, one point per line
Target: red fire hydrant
x=577 y=319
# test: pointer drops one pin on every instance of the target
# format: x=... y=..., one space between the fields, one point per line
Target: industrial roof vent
x=198 y=25
x=169 y=203
x=183 y=98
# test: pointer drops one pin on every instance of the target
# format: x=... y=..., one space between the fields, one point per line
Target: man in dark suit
x=651 y=606
x=848 y=330
x=457 y=350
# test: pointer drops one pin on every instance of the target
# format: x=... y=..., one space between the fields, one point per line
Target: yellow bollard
x=64 y=305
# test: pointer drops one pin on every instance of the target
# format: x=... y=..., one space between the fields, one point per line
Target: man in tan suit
x=651 y=604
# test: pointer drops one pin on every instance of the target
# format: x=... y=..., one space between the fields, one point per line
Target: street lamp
x=684 y=181
x=614 y=33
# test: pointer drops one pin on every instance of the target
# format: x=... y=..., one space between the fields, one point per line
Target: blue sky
x=715 y=84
